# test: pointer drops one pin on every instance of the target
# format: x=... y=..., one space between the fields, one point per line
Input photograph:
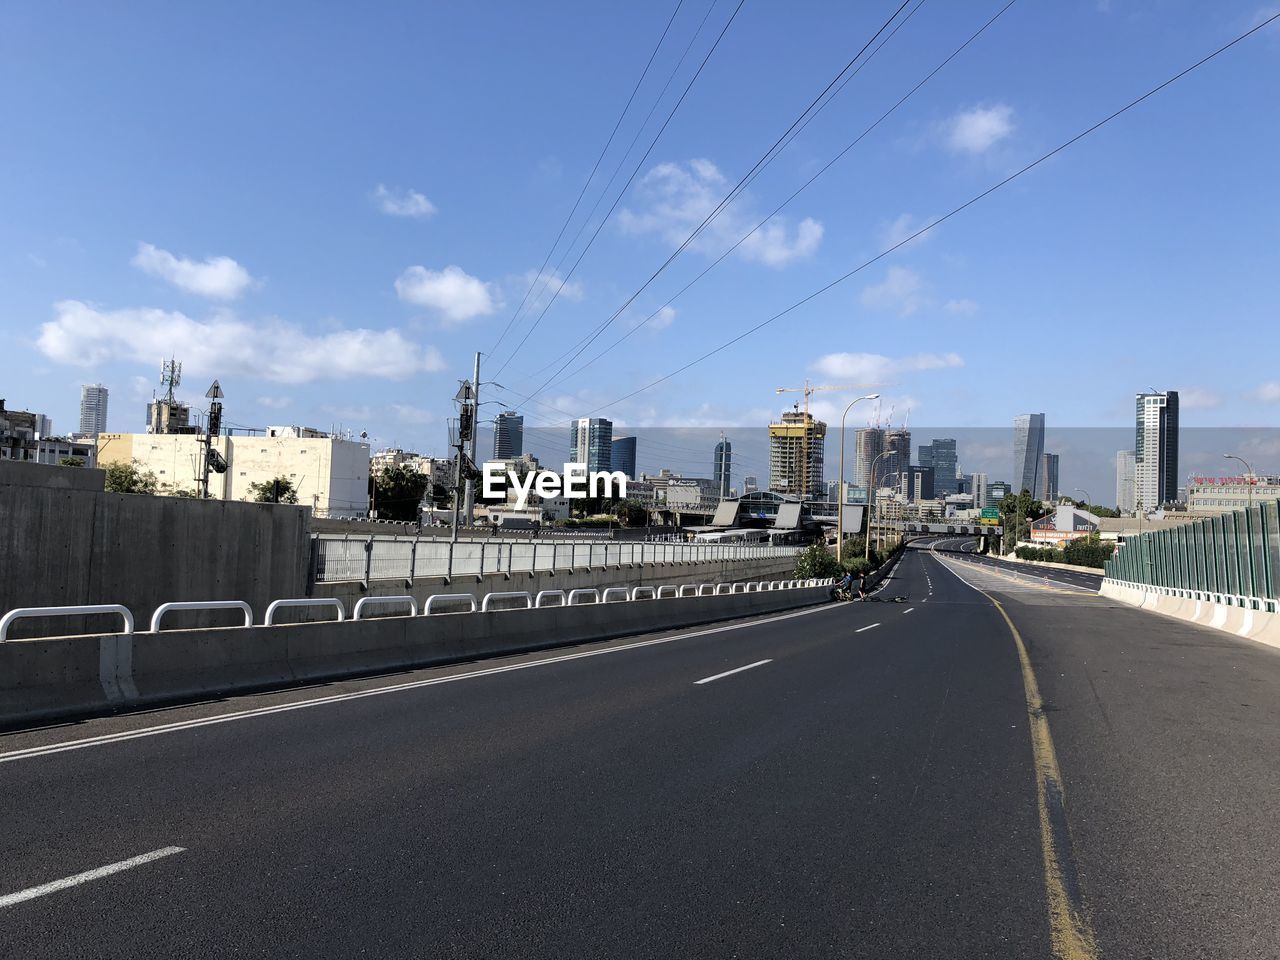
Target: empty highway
x=974 y=764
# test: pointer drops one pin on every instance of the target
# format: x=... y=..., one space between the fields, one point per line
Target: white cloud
x=456 y=294
x=902 y=291
x=274 y=403
x=412 y=414
x=1269 y=392
x=962 y=306
x=977 y=130
x=403 y=203
x=876 y=368
x=542 y=287
x=1198 y=398
x=84 y=336
x=219 y=278
x=896 y=231
x=678 y=197
x=663 y=318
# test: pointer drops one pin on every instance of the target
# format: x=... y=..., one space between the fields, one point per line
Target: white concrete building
x=331 y=474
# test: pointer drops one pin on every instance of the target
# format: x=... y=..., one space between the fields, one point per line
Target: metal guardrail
x=201 y=605
x=24 y=613
x=365 y=602
x=368 y=558
x=331 y=602
x=578 y=597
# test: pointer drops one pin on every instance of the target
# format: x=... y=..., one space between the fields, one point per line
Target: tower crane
x=809 y=389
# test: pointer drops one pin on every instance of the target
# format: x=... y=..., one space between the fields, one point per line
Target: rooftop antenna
x=170 y=377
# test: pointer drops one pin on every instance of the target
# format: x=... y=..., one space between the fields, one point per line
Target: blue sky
x=331 y=207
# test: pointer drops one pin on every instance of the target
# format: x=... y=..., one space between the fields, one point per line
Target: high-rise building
x=797 y=451
x=44 y=427
x=623 y=456
x=978 y=487
x=1028 y=449
x=591 y=442
x=508 y=436
x=721 y=468
x=897 y=461
x=946 y=481
x=1155 y=460
x=750 y=485
x=1126 y=482
x=1048 y=480
x=93 y=409
x=868 y=444
x=917 y=484
x=925 y=456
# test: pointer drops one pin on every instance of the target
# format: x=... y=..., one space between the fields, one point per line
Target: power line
x=776 y=210
x=737 y=189
x=626 y=185
x=947 y=216
x=591 y=176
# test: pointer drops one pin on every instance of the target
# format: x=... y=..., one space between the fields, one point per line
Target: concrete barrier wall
x=1259 y=625
x=66 y=677
x=65 y=546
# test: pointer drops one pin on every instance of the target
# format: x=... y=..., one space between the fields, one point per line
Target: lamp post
x=1248 y=472
x=840 y=486
x=871 y=501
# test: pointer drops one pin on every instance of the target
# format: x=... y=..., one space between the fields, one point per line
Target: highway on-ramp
x=973 y=764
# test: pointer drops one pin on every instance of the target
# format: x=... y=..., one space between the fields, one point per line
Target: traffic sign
x=990 y=513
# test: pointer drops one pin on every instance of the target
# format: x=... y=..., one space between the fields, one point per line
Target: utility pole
x=471 y=490
x=465 y=432
x=212 y=428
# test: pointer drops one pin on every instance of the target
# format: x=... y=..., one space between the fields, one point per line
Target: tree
x=631 y=513
x=276 y=490
x=130 y=478
x=816 y=562
x=71 y=462
x=398 y=492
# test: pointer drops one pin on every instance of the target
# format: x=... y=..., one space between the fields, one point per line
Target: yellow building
x=331 y=474
x=797 y=451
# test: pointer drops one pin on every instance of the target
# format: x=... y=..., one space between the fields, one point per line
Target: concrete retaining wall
x=1259 y=625
x=67 y=677
x=61 y=546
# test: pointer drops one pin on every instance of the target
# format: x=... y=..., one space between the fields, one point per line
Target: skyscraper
x=1126 y=478
x=789 y=439
x=978 y=487
x=93 y=409
x=868 y=444
x=508 y=436
x=721 y=468
x=624 y=456
x=1028 y=449
x=1156 y=449
x=897 y=461
x=750 y=484
x=1048 y=479
x=941 y=455
x=591 y=442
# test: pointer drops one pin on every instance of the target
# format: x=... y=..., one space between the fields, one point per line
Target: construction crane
x=807 y=390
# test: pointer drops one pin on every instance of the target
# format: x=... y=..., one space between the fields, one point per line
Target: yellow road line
x=1070 y=932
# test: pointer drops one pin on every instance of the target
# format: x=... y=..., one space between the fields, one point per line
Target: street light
x=840 y=486
x=1087 y=500
x=871 y=499
x=1248 y=472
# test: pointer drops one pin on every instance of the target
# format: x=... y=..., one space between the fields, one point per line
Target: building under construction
x=797 y=451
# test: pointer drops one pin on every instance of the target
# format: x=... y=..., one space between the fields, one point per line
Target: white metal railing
x=201 y=605
x=26 y=613
x=328 y=602
x=365 y=602
x=406 y=558
x=577 y=597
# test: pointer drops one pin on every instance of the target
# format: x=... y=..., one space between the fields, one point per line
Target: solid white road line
x=729 y=673
x=46 y=888
x=41 y=751
x=870 y=626
x=908 y=610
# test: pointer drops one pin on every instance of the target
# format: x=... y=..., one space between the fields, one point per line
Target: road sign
x=990 y=513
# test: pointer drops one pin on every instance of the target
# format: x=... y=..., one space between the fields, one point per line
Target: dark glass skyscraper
x=591 y=442
x=721 y=468
x=1028 y=449
x=508 y=436
x=624 y=456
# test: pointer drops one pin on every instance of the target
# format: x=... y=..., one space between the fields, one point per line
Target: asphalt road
x=1052 y=575
x=860 y=780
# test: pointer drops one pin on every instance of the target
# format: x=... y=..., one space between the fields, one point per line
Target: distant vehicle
x=518 y=523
